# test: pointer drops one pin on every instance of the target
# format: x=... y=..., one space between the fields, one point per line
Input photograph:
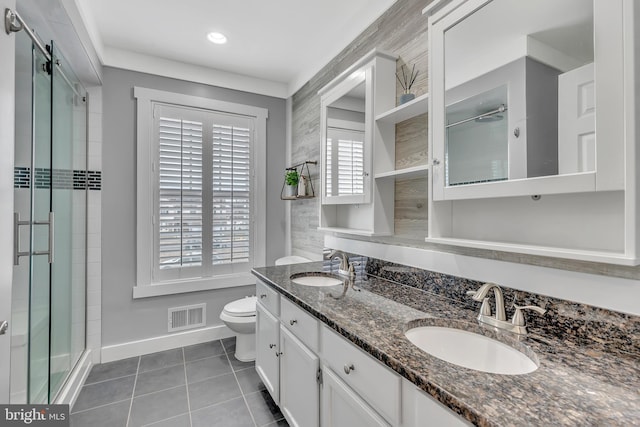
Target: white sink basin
x=470 y=350
x=316 y=279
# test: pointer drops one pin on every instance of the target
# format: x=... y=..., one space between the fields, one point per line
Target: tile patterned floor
x=197 y=386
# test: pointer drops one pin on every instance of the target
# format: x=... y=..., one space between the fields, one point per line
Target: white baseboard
x=165 y=342
x=69 y=393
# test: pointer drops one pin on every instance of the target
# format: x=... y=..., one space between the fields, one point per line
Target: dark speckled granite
x=589 y=359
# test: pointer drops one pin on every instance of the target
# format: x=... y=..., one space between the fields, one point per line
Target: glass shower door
x=68 y=202
x=40 y=269
x=48 y=290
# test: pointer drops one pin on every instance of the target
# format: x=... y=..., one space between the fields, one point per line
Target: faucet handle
x=518 y=317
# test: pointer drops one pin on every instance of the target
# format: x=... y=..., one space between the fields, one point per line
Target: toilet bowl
x=240 y=317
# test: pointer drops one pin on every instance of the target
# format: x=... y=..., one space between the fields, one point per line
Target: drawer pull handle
x=349 y=368
x=278 y=353
x=293 y=322
x=271 y=345
x=263 y=296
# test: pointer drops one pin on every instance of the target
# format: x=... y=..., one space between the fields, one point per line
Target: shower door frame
x=7 y=128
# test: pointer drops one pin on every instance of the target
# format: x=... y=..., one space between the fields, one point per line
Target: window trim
x=145 y=181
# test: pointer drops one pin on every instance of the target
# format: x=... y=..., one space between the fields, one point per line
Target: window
x=200 y=196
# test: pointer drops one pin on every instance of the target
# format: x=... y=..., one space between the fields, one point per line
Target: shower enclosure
x=50 y=198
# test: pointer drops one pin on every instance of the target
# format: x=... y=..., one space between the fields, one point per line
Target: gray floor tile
x=229 y=344
x=212 y=391
x=114 y=415
x=180 y=421
x=238 y=365
x=111 y=370
x=105 y=392
x=200 y=351
x=279 y=423
x=249 y=381
x=233 y=413
x=160 y=379
x=161 y=359
x=207 y=368
x=263 y=408
x=158 y=406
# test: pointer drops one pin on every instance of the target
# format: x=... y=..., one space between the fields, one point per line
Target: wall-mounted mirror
x=344 y=161
x=518 y=96
x=346 y=152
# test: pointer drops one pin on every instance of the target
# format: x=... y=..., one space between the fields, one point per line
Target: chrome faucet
x=516 y=325
x=345 y=268
x=485 y=309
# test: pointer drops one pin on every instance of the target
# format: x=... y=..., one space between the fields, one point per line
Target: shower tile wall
x=94 y=224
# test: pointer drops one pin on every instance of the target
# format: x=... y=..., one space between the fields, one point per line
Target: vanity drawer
x=303 y=325
x=269 y=298
x=379 y=386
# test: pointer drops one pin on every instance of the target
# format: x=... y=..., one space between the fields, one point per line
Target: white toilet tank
x=292 y=259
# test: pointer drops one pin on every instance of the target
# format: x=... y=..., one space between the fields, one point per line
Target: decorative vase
x=302 y=186
x=406 y=97
x=290 y=190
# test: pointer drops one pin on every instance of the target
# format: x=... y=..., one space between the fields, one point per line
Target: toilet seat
x=245 y=307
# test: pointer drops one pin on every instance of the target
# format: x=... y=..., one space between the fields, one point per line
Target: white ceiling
x=284 y=42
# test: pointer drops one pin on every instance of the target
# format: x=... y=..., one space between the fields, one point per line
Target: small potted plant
x=291 y=179
x=407 y=82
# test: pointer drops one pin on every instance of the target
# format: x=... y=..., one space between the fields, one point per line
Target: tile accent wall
x=61 y=179
x=400 y=30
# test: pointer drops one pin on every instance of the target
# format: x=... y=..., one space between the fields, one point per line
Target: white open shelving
x=413 y=108
x=406 y=173
x=354 y=231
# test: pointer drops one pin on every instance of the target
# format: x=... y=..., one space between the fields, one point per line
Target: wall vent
x=187 y=317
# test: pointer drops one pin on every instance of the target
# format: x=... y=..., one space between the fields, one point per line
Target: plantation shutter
x=203 y=201
x=180 y=192
x=231 y=193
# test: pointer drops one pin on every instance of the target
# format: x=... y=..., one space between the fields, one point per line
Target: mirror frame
x=609 y=88
x=337 y=91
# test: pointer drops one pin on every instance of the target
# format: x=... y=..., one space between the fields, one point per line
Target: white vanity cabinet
x=342 y=407
x=285 y=361
x=377 y=384
x=267 y=349
x=422 y=410
x=299 y=391
x=319 y=378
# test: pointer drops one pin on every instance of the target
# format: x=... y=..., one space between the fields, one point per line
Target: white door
x=577 y=121
x=267 y=348
x=342 y=407
x=299 y=389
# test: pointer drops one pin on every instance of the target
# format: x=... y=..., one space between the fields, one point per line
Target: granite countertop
x=573 y=385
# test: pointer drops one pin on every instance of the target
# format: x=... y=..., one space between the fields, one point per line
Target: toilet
x=240 y=317
x=293 y=259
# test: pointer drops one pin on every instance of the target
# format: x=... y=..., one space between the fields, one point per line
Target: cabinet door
x=422 y=410
x=299 y=391
x=267 y=342
x=342 y=407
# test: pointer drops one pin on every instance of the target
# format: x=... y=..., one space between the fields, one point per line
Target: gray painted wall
x=123 y=318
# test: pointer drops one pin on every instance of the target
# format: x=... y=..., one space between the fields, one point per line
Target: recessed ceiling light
x=217 y=38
